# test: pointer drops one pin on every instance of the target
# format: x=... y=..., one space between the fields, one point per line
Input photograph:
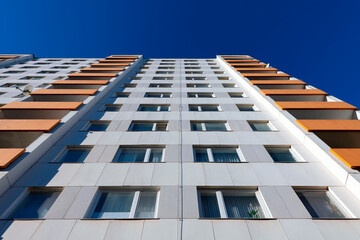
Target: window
x=78 y=60
x=215 y=67
x=160 y=85
x=42 y=63
x=129 y=85
x=163 y=78
x=53 y=60
x=13 y=72
x=147 y=126
x=192 y=67
x=216 y=154
x=164 y=72
x=236 y=95
x=260 y=126
x=230 y=204
x=36 y=205
x=111 y=108
x=167 y=60
x=122 y=94
x=3 y=77
x=13 y=85
x=153 y=108
x=195 y=78
x=31 y=78
x=198 y=85
x=283 y=154
x=166 y=67
x=135 y=78
x=191 y=64
x=204 y=108
x=60 y=67
x=96 y=126
x=43 y=85
x=47 y=72
x=167 y=63
x=125 y=204
x=157 y=95
x=201 y=95
x=223 y=78
x=27 y=67
x=246 y=107
x=320 y=204
x=218 y=72
x=70 y=63
x=190 y=60
x=209 y=126
x=193 y=72
x=74 y=154
x=229 y=85
x=139 y=154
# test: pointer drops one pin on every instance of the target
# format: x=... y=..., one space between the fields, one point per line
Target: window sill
x=120 y=219
x=241 y=219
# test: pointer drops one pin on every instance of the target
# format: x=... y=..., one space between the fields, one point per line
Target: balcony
x=297 y=95
x=91 y=76
x=102 y=70
x=62 y=95
x=279 y=84
x=38 y=110
x=79 y=84
x=266 y=76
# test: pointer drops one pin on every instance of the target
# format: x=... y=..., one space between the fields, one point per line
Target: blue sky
x=315 y=41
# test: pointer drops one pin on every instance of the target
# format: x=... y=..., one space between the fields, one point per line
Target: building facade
x=127 y=147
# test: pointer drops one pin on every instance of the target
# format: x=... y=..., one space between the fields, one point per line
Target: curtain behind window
x=243 y=207
x=225 y=155
x=146 y=205
x=114 y=205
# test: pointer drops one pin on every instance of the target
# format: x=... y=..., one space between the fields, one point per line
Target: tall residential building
x=133 y=148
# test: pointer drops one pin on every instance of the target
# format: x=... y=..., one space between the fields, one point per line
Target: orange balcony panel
x=255 y=69
x=102 y=69
x=42 y=106
x=64 y=92
x=330 y=125
x=265 y=75
x=109 y=64
x=268 y=92
x=115 y=61
x=28 y=125
x=277 y=82
x=244 y=65
x=350 y=156
x=238 y=58
x=315 y=105
x=243 y=61
x=92 y=75
x=8 y=155
x=8 y=57
x=80 y=82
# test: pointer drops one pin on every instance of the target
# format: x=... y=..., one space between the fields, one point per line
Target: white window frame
x=199 y=107
x=147 y=152
x=196 y=78
x=134 y=203
x=159 y=93
x=203 y=125
x=221 y=202
x=196 y=95
x=271 y=126
x=211 y=156
x=298 y=158
x=154 y=126
x=100 y=122
x=102 y=109
x=154 y=105
x=65 y=150
x=256 y=109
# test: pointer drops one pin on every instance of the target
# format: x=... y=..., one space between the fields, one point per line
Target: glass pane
x=281 y=155
x=209 y=108
x=196 y=127
x=36 y=205
x=215 y=127
x=148 y=108
x=97 y=127
x=243 y=207
x=142 y=127
x=260 y=127
x=201 y=155
x=204 y=95
x=209 y=204
x=114 y=205
x=319 y=204
x=146 y=205
x=246 y=108
x=161 y=126
x=156 y=155
x=131 y=155
x=164 y=108
x=225 y=155
x=112 y=108
x=75 y=155
x=193 y=108
x=166 y=95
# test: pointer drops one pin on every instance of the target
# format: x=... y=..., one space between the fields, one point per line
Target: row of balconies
x=24 y=122
x=333 y=121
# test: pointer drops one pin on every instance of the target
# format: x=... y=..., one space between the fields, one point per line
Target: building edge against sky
x=128 y=147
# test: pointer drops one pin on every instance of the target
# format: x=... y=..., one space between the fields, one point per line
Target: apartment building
x=128 y=147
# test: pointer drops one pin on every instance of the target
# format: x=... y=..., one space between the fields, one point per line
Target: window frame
x=154 y=126
x=200 y=106
x=161 y=94
x=196 y=94
x=134 y=205
x=204 y=129
x=219 y=193
x=60 y=156
x=270 y=125
x=298 y=158
x=154 y=105
x=95 y=122
x=211 y=156
x=147 y=155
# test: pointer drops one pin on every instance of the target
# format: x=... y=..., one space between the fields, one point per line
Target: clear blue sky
x=317 y=41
